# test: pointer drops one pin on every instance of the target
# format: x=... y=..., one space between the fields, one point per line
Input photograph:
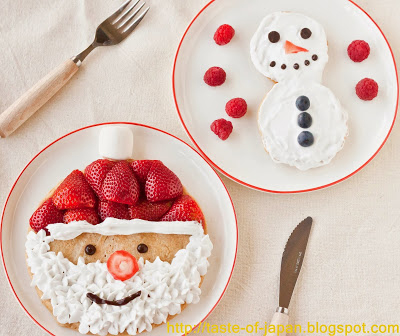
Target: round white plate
x=242 y=156
x=75 y=151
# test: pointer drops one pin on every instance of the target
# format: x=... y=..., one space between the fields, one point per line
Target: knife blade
x=292 y=260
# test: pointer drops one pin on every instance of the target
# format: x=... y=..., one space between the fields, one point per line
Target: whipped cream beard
x=289 y=45
x=156 y=291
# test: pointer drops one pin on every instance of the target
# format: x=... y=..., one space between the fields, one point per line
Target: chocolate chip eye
x=90 y=249
x=305 y=33
x=142 y=248
x=274 y=37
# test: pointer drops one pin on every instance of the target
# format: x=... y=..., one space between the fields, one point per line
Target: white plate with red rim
x=242 y=157
x=75 y=151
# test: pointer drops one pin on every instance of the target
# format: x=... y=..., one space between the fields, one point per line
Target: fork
x=111 y=31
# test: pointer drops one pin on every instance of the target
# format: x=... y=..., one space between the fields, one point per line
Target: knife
x=292 y=259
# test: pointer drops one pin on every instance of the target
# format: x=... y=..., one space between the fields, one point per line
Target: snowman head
x=289 y=46
x=134 y=273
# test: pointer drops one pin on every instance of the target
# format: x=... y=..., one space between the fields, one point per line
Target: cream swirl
x=164 y=286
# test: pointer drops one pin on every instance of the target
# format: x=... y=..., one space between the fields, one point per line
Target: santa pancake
x=118 y=248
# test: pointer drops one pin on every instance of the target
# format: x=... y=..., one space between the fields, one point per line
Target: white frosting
x=112 y=226
x=116 y=142
x=278 y=124
x=278 y=113
x=164 y=286
x=289 y=26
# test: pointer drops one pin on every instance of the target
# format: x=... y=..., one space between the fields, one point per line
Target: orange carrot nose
x=291 y=48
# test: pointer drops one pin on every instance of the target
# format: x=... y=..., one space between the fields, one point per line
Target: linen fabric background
x=352 y=270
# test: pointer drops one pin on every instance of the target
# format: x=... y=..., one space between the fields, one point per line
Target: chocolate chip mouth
x=296 y=66
x=94 y=298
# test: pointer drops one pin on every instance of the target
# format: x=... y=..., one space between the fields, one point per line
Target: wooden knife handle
x=280 y=321
x=36 y=97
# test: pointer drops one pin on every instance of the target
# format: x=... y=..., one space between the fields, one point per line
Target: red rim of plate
x=278 y=191
x=81 y=129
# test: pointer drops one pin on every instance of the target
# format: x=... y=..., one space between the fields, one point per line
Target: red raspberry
x=236 y=108
x=215 y=76
x=224 y=34
x=223 y=128
x=358 y=51
x=367 y=89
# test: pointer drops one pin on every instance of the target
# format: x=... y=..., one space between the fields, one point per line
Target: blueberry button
x=303 y=103
x=304 y=120
x=305 y=139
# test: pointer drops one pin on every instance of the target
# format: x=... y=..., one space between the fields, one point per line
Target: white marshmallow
x=116 y=142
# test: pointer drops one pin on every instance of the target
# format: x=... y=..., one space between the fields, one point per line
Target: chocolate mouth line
x=94 y=298
x=296 y=66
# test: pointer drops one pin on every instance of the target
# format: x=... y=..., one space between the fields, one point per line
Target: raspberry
x=224 y=34
x=367 y=89
x=215 y=76
x=358 y=51
x=223 y=128
x=236 y=108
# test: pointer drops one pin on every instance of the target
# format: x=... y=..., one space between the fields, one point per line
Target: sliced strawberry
x=74 y=193
x=95 y=174
x=162 y=184
x=113 y=210
x=120 y=184
x=141 y=169
x=184 y=209
x=291 y=48
x=149 y=211
x=86 y=214
x=46 y=214
x=122 y=265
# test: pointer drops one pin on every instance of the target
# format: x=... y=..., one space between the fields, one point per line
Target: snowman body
x=301 y=122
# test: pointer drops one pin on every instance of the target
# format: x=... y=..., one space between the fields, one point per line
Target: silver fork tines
x=131 y=16
x=133 y=25
x=119 y=15
x=116 y=27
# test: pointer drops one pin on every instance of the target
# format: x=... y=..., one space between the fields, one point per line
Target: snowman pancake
x=105 y=267
x=301 y=122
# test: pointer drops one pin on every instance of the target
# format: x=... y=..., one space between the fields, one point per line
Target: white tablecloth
x=352 y=271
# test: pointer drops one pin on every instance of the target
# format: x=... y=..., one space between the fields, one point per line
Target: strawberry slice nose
x=291 y=48
x=122 y=265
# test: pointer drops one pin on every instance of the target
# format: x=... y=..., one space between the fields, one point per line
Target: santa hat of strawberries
x=144 y=189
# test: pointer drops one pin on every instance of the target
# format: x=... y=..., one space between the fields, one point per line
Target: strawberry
x=122 y=265
x=95 y=174
x=46 y=214
x=141 y=169
x=162 y=184
x=291 y=48
x=185 y=208
x=120 y=184
x=114 y=210
x=149 y=211
x=74 y=193
x=86 y=214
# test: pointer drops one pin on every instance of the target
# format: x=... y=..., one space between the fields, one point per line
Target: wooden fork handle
x=36 y=97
